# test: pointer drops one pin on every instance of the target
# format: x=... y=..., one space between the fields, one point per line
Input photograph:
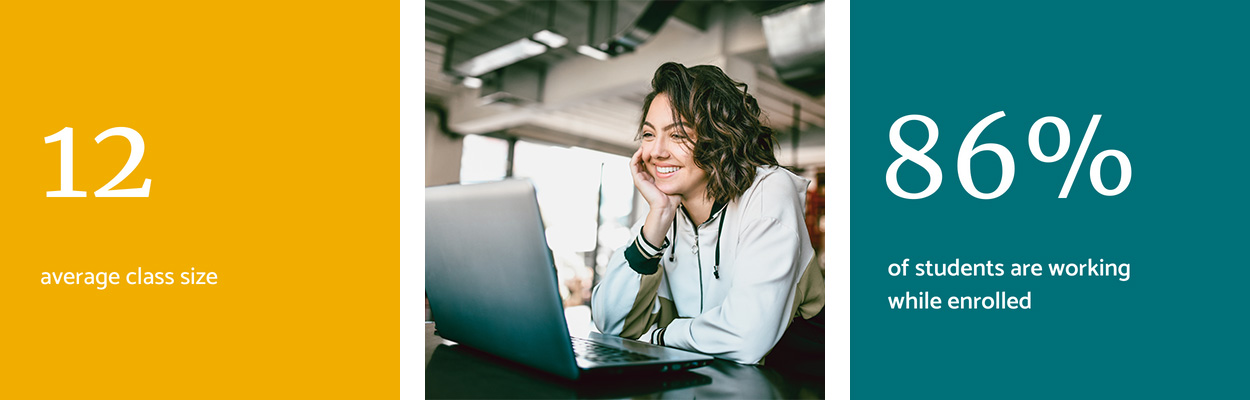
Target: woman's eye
x=679 y=137
x=647 y=135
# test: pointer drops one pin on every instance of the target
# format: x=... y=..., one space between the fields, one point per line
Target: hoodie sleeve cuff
x=643 y=257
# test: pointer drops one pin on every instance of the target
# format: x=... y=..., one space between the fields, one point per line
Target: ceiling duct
x=547 y=31
x=627 y=38
x=796 y=46
x=510 y=38
x=516 y=84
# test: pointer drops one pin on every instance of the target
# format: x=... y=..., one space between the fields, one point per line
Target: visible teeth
x=666 y=170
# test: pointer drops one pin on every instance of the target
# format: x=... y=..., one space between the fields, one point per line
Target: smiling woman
x=722 y=263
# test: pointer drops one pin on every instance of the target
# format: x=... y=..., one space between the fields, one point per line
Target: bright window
x=582 y=226
x=484 y=159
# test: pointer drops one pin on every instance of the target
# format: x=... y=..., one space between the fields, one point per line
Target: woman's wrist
x=659 y=220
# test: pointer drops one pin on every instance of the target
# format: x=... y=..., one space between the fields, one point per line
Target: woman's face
x=667 y=152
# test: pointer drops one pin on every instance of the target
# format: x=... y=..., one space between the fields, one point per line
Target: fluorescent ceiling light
x=472 y=83
x=551 y=39
x=501 y=57
x=592 y=53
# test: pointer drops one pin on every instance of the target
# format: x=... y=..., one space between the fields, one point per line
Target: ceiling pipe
x=532 y=42
x=587 y=49
x=796 y=45
x=538 y=28
x=643 y=28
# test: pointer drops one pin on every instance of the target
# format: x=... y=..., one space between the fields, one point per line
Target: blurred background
x=553 y=91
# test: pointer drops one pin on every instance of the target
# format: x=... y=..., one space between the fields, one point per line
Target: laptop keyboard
x=596 y=352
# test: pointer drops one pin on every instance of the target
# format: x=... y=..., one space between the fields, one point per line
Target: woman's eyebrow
x=670 y=126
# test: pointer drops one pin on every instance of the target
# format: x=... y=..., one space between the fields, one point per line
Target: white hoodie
x=764 y=251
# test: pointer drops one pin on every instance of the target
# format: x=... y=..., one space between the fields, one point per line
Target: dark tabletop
x=454 y=371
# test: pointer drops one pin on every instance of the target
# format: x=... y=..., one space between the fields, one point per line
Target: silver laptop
x=492 y=286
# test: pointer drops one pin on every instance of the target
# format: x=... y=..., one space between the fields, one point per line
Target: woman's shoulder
x=775 y=177
x=775 y=190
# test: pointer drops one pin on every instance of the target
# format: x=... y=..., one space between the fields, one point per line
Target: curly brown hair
x=729 y=141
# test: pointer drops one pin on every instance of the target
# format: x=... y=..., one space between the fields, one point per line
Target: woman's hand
x=646 y=185
x=663 y=205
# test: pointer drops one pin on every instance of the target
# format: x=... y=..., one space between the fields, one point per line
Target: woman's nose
x=659 y=149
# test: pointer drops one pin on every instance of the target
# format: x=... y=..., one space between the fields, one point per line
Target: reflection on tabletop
x=454 y=371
